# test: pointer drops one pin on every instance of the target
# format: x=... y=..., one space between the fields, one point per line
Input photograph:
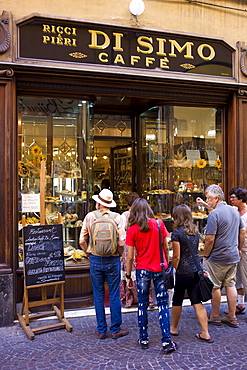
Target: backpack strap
x=99 y=214
x=111 y=233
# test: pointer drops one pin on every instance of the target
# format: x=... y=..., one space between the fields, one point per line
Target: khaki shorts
x=243 y=270
x=222 y=275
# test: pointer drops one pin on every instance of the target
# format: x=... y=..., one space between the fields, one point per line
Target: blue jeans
x=143 y=279
x=106 y=269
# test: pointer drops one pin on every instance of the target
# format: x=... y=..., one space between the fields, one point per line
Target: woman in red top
x=143 y=235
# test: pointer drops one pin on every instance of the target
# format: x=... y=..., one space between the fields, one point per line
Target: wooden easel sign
x=43 y=267
x=43 y=254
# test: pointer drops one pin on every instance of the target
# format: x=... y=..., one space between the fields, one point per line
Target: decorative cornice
x=6 y=72
x=242 y=92
x=5 y=45
x=242 y=60
x=125 y=91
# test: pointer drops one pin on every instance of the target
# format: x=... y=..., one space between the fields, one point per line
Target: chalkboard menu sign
x=43 y=254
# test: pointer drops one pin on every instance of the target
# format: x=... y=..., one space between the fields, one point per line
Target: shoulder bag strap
x=199 y=268
x=161 y=247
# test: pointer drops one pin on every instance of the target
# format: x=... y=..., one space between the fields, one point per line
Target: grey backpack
x=103 y=234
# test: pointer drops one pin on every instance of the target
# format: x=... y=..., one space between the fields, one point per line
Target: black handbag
x=168 y=273
x=205 y=283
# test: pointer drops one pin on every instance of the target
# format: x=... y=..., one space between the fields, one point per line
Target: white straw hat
x=105 y=197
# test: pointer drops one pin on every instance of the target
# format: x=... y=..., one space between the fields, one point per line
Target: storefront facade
x=154 y=111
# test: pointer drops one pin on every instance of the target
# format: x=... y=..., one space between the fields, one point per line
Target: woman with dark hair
x=238 y=198
x=186 y=270
x=143 y=236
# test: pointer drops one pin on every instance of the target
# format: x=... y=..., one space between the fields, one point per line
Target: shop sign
x=30 y=203
x=97 y=44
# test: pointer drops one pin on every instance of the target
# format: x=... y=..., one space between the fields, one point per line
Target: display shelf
x=62 y=195
x=178 y=185
x=179 y=156
x=71 y=227
x=65 y=201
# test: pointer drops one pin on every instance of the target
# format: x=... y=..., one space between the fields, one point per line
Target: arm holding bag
x=205 y=283
x=168 y=273
x=206 y=286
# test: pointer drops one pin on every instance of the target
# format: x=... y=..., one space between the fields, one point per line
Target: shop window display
x=56 y=131
x=181 y=156
x=113 y=159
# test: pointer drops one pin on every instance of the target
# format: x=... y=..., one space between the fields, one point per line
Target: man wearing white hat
x=105 y=267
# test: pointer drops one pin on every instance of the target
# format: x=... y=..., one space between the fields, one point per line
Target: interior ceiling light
x=136 y=7
x=211 y=132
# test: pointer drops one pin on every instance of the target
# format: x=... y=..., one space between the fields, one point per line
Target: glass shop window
x=181 y=156
x=56 y=131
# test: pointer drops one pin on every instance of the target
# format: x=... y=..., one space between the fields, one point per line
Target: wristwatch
x=127 y=276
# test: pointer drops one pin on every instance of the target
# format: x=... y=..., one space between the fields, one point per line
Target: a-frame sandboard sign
x=43 y=268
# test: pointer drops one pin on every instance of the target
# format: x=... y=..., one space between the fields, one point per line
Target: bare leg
x=240 y=307
x=231 y=294
x=201 y=314
x=215 y=302
x=240 y=299
x=176 y=314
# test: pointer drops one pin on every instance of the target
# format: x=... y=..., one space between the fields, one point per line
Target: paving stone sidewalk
x=81 y=349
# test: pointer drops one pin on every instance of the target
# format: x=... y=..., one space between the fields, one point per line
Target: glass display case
x=181 y=156
x=58 y=132
x=122 y=173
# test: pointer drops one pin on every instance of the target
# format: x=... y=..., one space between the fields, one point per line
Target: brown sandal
x=230 y=321
x=214 y=321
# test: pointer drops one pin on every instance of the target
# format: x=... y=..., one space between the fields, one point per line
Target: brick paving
x=81 y=349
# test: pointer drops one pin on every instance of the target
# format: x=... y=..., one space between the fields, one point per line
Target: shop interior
x=167 y=153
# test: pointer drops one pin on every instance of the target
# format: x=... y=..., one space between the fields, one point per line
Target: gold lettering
x=119 y=59
x=46 y=39
x=161 y=47
x=67 y=41
x=187 y=46
x=74 y=31
x=53 y=40
x=67 y=30
x=59 y=29
x=53 y=29
x=59 y=40
x=200 y=51
x=46 y=28
x=102 y=56
x=94 y=40
x=147 y=45
x=149 y=61
x=117 y=46
x=163 y=63
x=134 y=59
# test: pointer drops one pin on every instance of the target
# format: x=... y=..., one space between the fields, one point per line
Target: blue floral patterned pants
x=143 y=279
